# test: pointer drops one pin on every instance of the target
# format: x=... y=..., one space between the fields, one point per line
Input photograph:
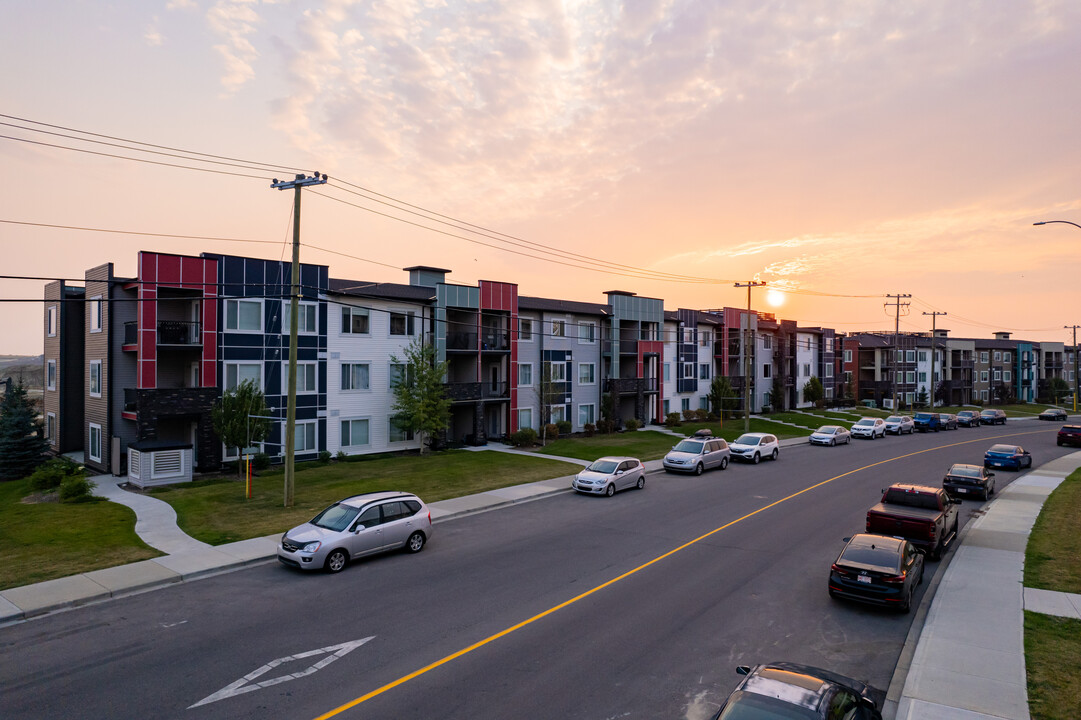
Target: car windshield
x=988 y=413
x=865 y=421
x=603 y=466
x=924 y=416
x=870 y=554
x=827 y=430
x=965 y=471
x=336 y=517
x=1009 y=449
x=747 y=440
x=689 y=446
x=752 y=706
x=893 y=419
x=965 y=413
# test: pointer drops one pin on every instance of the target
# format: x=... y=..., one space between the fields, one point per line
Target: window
x=525 y=329
x=983 y=357
x=667 y=372
x=806 y=369
x=244 y=315
x=923 y=356
x=910 y=377
x=900 y=377
x=667 y=406
x=95 y=314
x=95 y=442
x=685 y=404
x=983 y=395
x=686 y=334
x=525 y=374
x=585 y=415
x=703 y=403
x=559 y=328
x=50 y=426
x=307 y=317
x=587 y=333
x=910 y=397
x=688 y=371
x=1006 y=357
x=767 y=341
x=354 y=433
x=998 y=356
x=703 y=338
x=304 y=437
x=401 y=323
x=848 y=376
x=95 y=378
x=355 y=376
x=910 y=356
x=355 y=321
x=828 y=370
x=1006 y=375
x=50 y=323
x=50 y=375
x=983 y=376
x=586 y=374
x=848 y=356
x=400 y=372
x=766 y=371
x=922 y=376
x=398 y=434
x=307 y=374
x=559 y=413
x=236 y=373
x=829 y=344
x=998 y=375
x=525 y=418
x=703 y=371
x=557 y=371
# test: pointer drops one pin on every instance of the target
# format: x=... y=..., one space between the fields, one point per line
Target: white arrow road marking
x=245 y=683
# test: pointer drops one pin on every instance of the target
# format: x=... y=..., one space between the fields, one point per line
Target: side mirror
x=955 y=501
x=357 y=529
x=619 y=472
x=743 y=670
x=990 y=474
x=846 y=539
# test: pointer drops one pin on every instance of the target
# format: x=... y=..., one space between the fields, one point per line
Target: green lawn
x=732 y=429
x=1053 y=666
x=49 y=540
x=644 y=445
x=216 y=511
x=1053 y=556
x=797 y=418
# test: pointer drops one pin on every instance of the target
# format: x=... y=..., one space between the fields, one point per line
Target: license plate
x=864 y=579
x=961 y=490
x=997 y=464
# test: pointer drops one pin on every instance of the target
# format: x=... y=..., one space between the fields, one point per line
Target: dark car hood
x=878 y=697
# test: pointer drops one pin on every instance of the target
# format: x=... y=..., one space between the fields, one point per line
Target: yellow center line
x=502 y=633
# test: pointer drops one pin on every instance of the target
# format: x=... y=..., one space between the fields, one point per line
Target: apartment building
x=63 y=373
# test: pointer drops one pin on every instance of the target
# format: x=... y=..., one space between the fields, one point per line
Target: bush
x=564 y=427
x=672 y=419
x=701 y=415
x=526 y=437
x=342 y=456
x=690 y=415
x=604 y=426
x=50 y=475
x=590 y=429
x=712 y=417
x=631 y=424
x=551 y=431
x=76 y=488
x=260 y=461
x=324 y=456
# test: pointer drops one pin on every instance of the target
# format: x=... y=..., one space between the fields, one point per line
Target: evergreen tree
x=22 y=447
x=231 y=417
x=813 y=392
x=421 y=404
x=723 y=400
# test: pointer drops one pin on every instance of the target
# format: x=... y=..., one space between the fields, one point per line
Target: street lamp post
x=1076 y=374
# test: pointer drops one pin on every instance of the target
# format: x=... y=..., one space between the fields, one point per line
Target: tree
x=608 y=413
x=549 y=393
x=813 y=392
x=722 y=398
x=233 y=421
x=921 y=399
x=1058 y=388
x=777 y=394
x=22 y=447
x=421 y=405
x=1002 y=392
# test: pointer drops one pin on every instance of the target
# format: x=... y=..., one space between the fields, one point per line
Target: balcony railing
x=495 y=341
x=461 y=341
x=130 y=396
x=495 y=389
x=628 y=347
x=178 y=332
x=131 y=333
x=461 y=391
x=632 y=386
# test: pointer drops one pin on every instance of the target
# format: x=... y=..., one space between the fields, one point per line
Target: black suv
x=992 y=417
x=1069 y=435
x=968 y=418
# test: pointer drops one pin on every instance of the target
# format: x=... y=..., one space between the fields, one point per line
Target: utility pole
x=294 y=295
x=1076 y=376
x=934 y=318
x=896 y=343
x=748 y=347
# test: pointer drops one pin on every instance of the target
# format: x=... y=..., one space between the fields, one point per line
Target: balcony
x=962 y=364
x=495 y=341
x=632 y=386
x=463 y=391
x=131 y=333
x=462 y=341
x=179 y=332
x=495 y=390
x=130 y=396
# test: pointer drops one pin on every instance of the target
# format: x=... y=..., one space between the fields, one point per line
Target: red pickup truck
x=925 y=516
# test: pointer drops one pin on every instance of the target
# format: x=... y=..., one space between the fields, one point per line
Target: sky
x=672 y=148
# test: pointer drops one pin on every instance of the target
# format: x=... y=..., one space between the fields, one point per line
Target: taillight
x=838 y=569
x=934 y=530
x=894 y=578
x=429 y=517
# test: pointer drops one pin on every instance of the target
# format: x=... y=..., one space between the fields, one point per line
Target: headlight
x=311 y=547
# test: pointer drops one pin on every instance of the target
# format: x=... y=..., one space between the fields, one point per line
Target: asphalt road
x=640 y=605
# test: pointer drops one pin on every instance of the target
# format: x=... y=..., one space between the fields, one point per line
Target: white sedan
x=830 y=435
x=869 y=427
x=609 y=474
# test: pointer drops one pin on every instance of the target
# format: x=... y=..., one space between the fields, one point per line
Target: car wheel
x=755 y=459
x=920 y=581
x=991 y=489
x=641 y=481
x=335 y=561
x=724 y=463
x=610 y=490
x=415 y=543
x=833 y=442
x=906 y=606
x=848 y=439
x=774 y=454
x=698 y=469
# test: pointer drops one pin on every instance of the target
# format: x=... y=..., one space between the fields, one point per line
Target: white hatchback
x=609 y=474
x=754 y=447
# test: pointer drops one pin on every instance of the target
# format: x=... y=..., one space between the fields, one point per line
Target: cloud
x=152 y=35
x=235 y=21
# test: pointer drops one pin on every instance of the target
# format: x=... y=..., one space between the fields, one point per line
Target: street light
x=1076 y=375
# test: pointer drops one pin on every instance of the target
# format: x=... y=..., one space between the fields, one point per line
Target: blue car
x=1013 y=457
x=926 y=422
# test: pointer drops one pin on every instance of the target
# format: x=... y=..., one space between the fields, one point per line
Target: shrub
x=551 y=431
x=49 y=475
x=604 y=426
x=712 y=417
x=76 y=488
x=701 y=415
x=526 y=437
x=672 y=419
x=689 y=415
x=324 y=456
x=590 y=429
x=261 y=461
x=342 y=456
x=564 y=427
x=631 y=424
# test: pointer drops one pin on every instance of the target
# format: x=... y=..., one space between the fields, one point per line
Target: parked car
x=968 y=418
x=754 y=447
x=1013 y=457
x=966 y=480
x=830 y=435
x=947 y=421
x=900 y=425
x=925 y=516
x=357 y=526
x=877 y=569
x=1053 y=414
x=926 y=421
x=787 y=691
x=1069 y=435
x=869 y=427
x=992 y=416
x=697 y=454
x=607 y=475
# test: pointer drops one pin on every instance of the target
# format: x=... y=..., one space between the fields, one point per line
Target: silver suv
x=357 y=526
x=697 y=454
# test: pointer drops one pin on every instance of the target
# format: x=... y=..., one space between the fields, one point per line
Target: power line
x=134 y=232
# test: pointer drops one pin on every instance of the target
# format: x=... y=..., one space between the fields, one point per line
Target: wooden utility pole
x=934 y=318
x=294 y=296
x=896 y=343
x=748 y=347
x=1076 y=375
